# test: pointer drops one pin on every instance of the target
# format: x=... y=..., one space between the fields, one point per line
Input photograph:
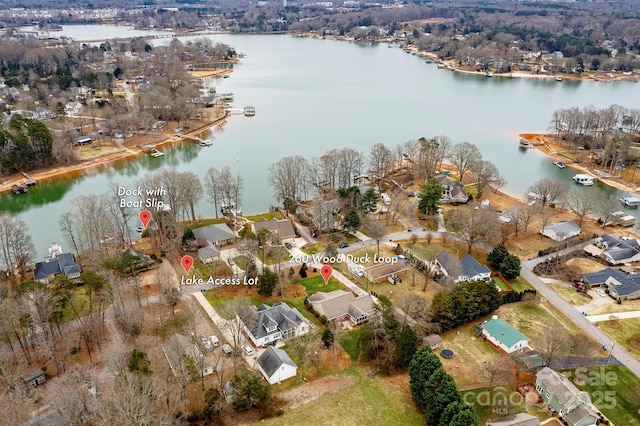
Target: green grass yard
x=622 y=331
x=501 y=284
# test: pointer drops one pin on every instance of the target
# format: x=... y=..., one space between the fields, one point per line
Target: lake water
x=314 y=95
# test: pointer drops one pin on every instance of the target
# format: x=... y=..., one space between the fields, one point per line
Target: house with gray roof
x=618 y=250
x=452 y=190
x=267 y=324
x=208 y=254
x=56 y=263
x=571 y=404
x=276 y=366
x=561 y=231
x=469 y=268
x=620 y=285
x=520 y=419
x=218 y=234
x=340 y=304
x=281 y=228
x=501 y=334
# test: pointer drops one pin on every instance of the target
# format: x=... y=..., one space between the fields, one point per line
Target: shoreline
x=124 y=153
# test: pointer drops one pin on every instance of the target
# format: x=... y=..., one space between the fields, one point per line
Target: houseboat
x=249 y=111
x=584 y=179
x=559 y=164
x=525 y=144
x=630 y=201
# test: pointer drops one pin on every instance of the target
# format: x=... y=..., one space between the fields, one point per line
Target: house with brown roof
x=391 y=271
x=282 y=228
x=340 y=304
x=452 y=190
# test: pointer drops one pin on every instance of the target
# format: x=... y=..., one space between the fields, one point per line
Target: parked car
x=231 y=262
x=226 y=350
x=247 y=350
x=601 y=293
x=344 y=245
x=288 y=246
x=178 y=129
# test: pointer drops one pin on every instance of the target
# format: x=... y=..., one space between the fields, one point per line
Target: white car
x=247 y=350
x=601 y=293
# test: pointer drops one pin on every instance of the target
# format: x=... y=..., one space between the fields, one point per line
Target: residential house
x=276 y=366
x=140 y=260
x=208 y=254
x=501 y=334
x=561 y=231
x=403 y=180
x=323 y=212
x=55 y=263
x=452 y=190
x=386 y=271
x=620 y=286
x=268 y=324
x=470 y=268
x=218 y=234
x=618 y=250
x=434 y=341
x=179 y=349
x=572 y=405
x=73 y=108
x=340 y=304
x=281 y=228
x=41 y=113
x=520 y=419
x=33 y=377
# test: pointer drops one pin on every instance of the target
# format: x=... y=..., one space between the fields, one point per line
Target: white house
x=73 y=108
x=276 y=366
x=504 y=336
x=561 y=231
x=268 y=324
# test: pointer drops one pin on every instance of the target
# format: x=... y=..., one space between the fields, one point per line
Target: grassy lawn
x=570 y=294
x=315 y=284
x=367 y=401
x=216 y=269
x=623 y=332
x=501 y=284
x=313 y=248
x=241 y=261
x=615 y=391
x=201 y=222
x=519 y=284
x=267 y=216
x=349 y=343
x=273 y=255
x=488 y=403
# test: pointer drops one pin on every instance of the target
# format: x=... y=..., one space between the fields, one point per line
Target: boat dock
x=19 y=188
x=30 y=181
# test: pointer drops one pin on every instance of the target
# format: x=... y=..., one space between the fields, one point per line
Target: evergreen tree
x=440 y=392
x=510 y=267
x=459 y=414
x=352 y=221
x=430 y=196
x=267 y=282
x=369 y=201
x=497 y=255
x=187 y=238
x=405 y=346
x=303 y=271
x=327 y=337
x=423 y=364
x=139 y=362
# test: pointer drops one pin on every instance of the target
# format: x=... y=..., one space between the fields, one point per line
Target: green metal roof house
x=504 y=336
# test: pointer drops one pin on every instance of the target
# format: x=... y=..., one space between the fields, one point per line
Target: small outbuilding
x=33 y=377
x=276 y=366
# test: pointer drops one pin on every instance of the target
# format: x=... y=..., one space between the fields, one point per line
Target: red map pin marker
x=187 y=263
x=326 y=272
x=145 y=217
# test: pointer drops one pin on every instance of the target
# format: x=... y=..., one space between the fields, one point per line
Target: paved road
x=580 y=320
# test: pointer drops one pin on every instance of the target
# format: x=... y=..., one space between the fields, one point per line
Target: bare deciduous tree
x=463 y=156
x=476 y=224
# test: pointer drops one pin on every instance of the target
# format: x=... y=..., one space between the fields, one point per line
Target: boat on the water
x=559 y=164
x=584 y=179
x=489 y=74
x=525 y=143
x=249 y=111
x=205 y=143
x=559 y=78
x=630 y=200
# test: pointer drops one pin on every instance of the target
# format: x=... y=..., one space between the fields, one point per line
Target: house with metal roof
x=501 y=334
x=276 y=366
x=268 y=324
x=571 y=404
x=561 y=231
x=340 y=304
x=619 y=284
x=470 y=269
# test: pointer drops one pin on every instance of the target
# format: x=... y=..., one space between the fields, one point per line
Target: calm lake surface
x=314 y=95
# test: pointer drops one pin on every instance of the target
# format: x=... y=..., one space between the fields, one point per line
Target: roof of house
x=403 y=179
x=520 y=419
x=562 y=388
x=338 y=303
x=618 y=250
x=272 y=359
x=281 y=227
x=31 y=374
x=61 y=263
x=214 y=233
x=258 y=319
x=432 y=339
x=471 y=267
x=385 y=269
x=178 y=346
x=443 y=258
x=504 y=332
x=580 y=412
x=208 y=251
x=560 y=231
x=624 y=284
